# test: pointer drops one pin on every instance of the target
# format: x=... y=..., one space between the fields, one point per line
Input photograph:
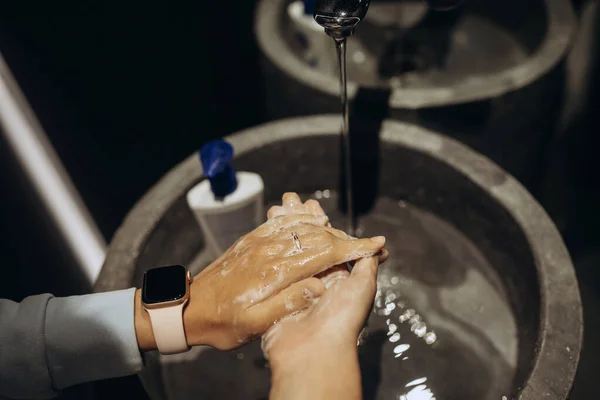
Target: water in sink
x=441 y=326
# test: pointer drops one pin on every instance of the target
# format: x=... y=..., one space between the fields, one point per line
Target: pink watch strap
x=167 y=325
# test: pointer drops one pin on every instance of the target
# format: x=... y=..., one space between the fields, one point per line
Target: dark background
x=122 y=100
x=125 y=98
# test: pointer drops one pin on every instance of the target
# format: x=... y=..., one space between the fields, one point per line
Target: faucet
x=340 y=17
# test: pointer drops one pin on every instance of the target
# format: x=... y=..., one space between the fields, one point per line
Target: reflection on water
x=416 y=389
x=440 y=328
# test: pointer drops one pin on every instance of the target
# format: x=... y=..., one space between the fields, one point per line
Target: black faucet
x=340 y=17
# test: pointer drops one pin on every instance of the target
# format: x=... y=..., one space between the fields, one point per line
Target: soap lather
x=228 y=204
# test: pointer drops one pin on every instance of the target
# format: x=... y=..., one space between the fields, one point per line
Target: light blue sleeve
x=49 y=343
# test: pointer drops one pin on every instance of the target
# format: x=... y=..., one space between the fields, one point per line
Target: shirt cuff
x=23 y=369
x=91 y=337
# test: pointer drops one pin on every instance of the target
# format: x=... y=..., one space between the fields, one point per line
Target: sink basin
x=479 y=299
x=489 y=73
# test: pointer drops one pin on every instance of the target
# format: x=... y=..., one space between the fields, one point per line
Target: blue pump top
x=309 y=6
x=215 y=157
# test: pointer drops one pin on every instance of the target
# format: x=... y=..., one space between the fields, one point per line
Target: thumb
x=365 y=273
x=365 y=268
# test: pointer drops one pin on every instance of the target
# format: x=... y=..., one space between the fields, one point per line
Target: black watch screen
x=164 y=284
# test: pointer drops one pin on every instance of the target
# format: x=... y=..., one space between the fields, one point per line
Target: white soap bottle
x=227 y=205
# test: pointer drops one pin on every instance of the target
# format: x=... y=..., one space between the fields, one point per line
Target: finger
x=319 y=259
x=286 y=222
x=363 y=279
x=365 y=273
x=286 y=245
x=331 y=270
x=304 y=242
x=334 y=275
x=309 y=236
x=290 y=300
x=275 y=211
x=384 y=255
x=307 y=229
x=337 y=233
x=365 y=268
x=291 y=201
x=350 y=250
x=313 y=207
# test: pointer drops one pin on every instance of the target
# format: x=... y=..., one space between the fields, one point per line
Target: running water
x=340 y=45
x=339 y=20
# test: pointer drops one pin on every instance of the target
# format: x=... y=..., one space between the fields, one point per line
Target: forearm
x=143 y=326
x=47 y=344
x=23 y=369
x=91 y=337
x=322 y=373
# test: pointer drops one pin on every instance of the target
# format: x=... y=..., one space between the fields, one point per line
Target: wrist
x=197 y=314
x=316 y=352
x=143 y=325
x=193 y=321
x=196 y=319
x=322 y=372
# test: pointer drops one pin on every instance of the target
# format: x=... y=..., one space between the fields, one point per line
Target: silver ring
x=296 y=240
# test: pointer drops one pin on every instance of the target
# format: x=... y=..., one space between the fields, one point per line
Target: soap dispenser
x=227 y=204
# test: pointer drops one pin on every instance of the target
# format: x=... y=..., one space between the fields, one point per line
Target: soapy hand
x=291 y=204
x=332 y=323
x=265 y=276
x=341 y=311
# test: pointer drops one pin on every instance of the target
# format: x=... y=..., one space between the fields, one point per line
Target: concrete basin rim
x=560 y=33
x=554 y=267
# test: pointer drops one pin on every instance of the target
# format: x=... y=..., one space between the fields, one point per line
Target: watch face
x=164 y=284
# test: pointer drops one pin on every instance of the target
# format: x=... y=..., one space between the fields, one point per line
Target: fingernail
x=379 y=239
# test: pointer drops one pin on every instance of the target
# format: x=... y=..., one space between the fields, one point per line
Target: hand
x=264 y=277
x=258 y=280
x=322 y=338
x=291 y=204
x=313 y=354
x=335 y=320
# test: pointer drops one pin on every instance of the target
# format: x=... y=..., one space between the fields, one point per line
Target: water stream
x=340 y=45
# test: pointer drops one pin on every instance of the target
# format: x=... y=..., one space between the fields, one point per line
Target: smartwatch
x=165 y=293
